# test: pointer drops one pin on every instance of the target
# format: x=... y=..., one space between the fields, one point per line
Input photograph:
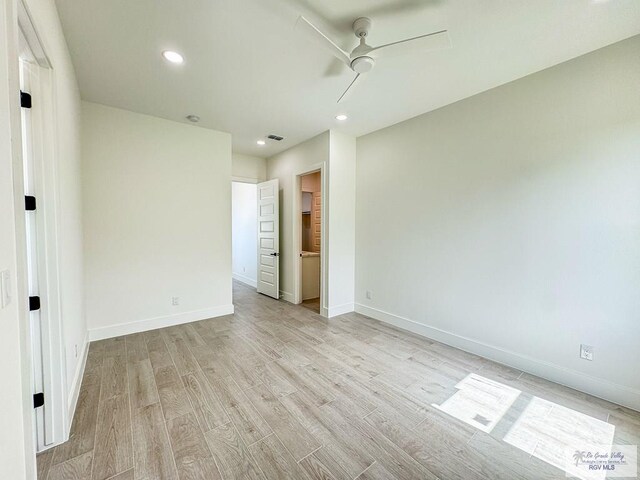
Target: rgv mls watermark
x=602 y=461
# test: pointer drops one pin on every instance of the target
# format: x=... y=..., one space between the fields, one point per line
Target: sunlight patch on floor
x=479 y=402
x=548 y=431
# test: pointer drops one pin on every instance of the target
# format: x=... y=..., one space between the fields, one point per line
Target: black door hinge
x=29 y=202
x=38 y=400
x=34 y=303
x=25 y=99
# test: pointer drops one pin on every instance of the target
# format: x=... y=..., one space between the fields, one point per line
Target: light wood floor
x=312 y=304
x=275 y=391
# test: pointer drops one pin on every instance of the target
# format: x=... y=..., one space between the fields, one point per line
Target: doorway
x=311 y=240
x=255 y=235
x=244 y=232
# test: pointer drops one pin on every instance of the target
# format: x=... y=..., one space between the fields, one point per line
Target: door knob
x=275 y=254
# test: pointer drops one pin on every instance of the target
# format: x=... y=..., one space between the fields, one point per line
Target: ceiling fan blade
x=431 y=41
x=347 y=93
x=305 y=26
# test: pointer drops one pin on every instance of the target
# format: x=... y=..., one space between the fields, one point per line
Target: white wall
x=337 y=153
x=157 y=221
x=247 y=168
x=284 y=166
x=244 y=220
x=341 y=225
x=509 y=223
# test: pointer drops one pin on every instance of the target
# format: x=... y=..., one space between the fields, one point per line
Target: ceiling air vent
x=277 y=138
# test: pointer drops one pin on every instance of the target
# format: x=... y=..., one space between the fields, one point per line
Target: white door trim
x=245 y=180
x=297 y=234
x=46 y=188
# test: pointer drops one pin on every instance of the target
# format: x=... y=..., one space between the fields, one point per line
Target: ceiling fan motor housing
x=361 y=26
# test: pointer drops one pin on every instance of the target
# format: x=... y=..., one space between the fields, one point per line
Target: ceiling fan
x=363 y=58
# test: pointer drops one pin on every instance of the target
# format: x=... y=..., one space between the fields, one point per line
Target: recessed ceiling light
x=261 y=142
x=173 y=57
x=341 y=117
x=193 y=118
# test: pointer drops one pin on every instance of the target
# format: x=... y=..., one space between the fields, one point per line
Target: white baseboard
x=246 y=280
x=613 y=392
x=74 y=392
x=286 y=296
x=340 y=309
x=158 y=322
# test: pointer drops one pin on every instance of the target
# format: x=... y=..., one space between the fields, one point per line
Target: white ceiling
x=249 y=73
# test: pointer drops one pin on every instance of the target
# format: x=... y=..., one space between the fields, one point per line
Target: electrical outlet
x=244 y=269
x=586 y=352
x=175 y=300
x=368 y=294
x=75 y=347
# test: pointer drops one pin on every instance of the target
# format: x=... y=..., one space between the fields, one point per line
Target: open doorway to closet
x=311 y=240
x=244 y=232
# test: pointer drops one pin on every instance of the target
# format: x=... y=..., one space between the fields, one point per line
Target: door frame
x=297 y=234
x=245 y=280
x=44 y=163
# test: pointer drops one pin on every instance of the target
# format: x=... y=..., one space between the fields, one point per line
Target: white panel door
x=268 y=238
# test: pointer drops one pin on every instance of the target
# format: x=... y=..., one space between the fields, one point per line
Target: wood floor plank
x=128 y=475
x=399 y=463
x=275 y=461
x=158 y=353
x=231 y=454
x=250 y=425
x=266 y=351
x=207 y=358
x=506 y=461
x=206 y=405
x=153 y=457
x=136 y=347
x=114 y=347
x=342 y=453
x=78 y=468
x=142 y=386
x=304 y=382
x=315 y=469
x=43 y=463
x=166 y=374
x=427 y=446
x=113 y=448
x=375 y=472
x=347 y=386
x=298 y=441
x=191 y=336
x=191 y=453
x=174 y=400
x=243 y=373
x=182 y=357
x=82 y=437
x=351 y=359
x=274 y=377
x=93 y=367
x=114 y=377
